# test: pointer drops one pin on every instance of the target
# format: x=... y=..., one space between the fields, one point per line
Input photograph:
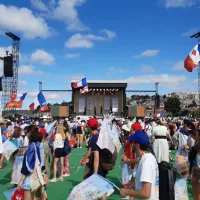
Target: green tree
x=173 y=105
x=194 y=104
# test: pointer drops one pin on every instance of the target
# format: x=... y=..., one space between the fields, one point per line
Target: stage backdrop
x=115 y=105
x=106 y=103
x=89 y=103
x=81 y=104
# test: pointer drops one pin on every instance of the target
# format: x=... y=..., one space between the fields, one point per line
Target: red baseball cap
x=93 y=123
x=136 y=127
x=43 y=131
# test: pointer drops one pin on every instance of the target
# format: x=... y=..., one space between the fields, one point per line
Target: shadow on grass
x=4 y=181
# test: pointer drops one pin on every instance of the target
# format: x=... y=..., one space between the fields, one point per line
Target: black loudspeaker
x=0 y=84
x=8 y=66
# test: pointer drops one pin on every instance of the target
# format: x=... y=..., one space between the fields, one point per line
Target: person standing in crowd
x=58 y=146
x=129 y=157
x=34 y=152
x=142 y=123
x=149 y=130
x=196 y=168
x=66 y=167
x=1 y=151
x=160 y=144
x=94 y=152
x=147 y=175
x=79 y=135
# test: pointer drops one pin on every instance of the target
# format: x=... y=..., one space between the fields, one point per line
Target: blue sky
x=140 y=41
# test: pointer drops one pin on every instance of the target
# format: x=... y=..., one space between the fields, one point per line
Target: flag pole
x=197 y=35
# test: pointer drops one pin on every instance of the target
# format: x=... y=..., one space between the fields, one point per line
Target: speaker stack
x=8 y=66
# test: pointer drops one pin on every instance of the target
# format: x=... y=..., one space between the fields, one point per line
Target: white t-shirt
x=26 y=141
x=147 y=171
x=58 y=142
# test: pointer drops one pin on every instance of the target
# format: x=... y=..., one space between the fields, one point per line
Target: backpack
x=107 y=159
x=167 y=178
x=67 y=149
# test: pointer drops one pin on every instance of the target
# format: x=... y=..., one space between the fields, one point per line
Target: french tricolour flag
x=192 y=59
x=81 y=83
x=39 y=100
x=21 y=97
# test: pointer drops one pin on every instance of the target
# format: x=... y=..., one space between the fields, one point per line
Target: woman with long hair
x=33 y=158
x=58 y=146
x=66 y=168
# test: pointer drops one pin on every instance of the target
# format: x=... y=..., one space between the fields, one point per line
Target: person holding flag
x=93 y=153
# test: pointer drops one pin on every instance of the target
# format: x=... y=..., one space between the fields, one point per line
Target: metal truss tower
x=9 y=84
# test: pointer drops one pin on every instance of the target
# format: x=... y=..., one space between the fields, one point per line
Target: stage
x=103 y=97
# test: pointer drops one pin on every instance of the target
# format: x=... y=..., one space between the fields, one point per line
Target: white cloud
x=22 y=83
x=110 y=34
x=178 y=66
x=66 y=11
x=63 y=10
x=24 y=21
x=86 y=41
x=147 y=69
x=28 y=70
x=179 y=3
x=38 y=4
x=42 y=57
x=117 y=70
x=48 y=95
x=165 y=80
x=82 y=41
x=69 y=77
x=190 y=32
x=148 y=53
x=71 y=56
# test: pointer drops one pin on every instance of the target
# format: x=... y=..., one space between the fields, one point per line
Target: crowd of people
x=146 y=143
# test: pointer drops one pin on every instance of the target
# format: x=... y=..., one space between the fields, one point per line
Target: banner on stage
x=181 y=192
x=114 y=104
x=16 y=175
x=92 y=188
x=81 y=104
x=89 y=103
x=9 y=149
x=106 y=103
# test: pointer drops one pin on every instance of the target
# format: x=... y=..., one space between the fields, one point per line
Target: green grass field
x=61 y=190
